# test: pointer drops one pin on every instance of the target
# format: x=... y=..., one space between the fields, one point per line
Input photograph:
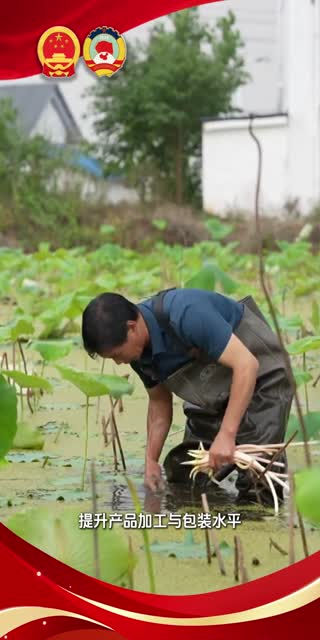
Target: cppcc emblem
x=104 y=51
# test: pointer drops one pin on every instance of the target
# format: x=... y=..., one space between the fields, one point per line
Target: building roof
x=245 y=116
x=86 y=163
x=30 y=100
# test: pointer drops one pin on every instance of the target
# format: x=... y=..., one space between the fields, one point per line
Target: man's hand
x=153 y=477
x=158 y=425
x=222 y=450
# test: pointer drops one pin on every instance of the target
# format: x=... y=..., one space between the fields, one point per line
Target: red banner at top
x=23 y=23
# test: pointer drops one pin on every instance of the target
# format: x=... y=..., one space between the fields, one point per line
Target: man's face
x=130 y=350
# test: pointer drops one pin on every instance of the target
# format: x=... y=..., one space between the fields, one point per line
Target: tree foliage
x=31 y=200
x=26 y=166
x=148 y=116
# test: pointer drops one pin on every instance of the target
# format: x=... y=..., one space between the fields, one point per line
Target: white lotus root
x=246 y=456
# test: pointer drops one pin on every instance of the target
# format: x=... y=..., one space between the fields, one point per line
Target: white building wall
x=258 y=23
x=301 y=27
x=50 y=125
x=291 y=169
x=230 y=162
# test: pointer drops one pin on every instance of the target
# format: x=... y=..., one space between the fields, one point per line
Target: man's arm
x=159 y=420
x=245 y=367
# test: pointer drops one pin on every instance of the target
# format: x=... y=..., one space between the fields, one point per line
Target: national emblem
x=58 y=52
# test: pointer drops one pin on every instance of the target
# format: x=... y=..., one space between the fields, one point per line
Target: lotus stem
x=85 y=445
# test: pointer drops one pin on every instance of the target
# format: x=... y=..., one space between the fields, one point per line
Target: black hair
x=104 y=322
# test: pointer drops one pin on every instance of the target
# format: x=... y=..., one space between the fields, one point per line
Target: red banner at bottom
x=41 y=597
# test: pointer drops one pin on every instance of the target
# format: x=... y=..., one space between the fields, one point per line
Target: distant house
x=289 y=132
x=88 y=178
x=43 y=110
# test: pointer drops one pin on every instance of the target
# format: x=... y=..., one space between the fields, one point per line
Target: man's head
x=113 y=328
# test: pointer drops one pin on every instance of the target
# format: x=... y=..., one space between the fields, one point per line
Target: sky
x=259 y=26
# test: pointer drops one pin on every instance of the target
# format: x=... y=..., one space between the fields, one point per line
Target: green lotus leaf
x=8 y=413
x=52 y=350
x=27 y=381
x=307 y=494
x=56 y=532
x=310 y=343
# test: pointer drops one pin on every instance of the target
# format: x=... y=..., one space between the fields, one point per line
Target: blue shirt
x=202 y=319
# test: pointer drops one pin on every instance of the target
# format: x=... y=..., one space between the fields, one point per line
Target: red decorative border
x=59 y=587
x=76 y=629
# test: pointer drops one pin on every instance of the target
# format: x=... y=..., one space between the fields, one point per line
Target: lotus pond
x=57 y=413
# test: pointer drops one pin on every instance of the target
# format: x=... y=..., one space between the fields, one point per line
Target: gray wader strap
x=164 y=322
x=250 y=303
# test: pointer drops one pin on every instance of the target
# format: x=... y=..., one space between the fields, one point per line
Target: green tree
x=149 y=114
x=28 y=168
x=31 y=200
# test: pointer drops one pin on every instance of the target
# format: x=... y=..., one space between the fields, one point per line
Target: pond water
x=52 y=476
